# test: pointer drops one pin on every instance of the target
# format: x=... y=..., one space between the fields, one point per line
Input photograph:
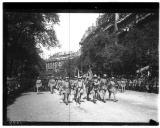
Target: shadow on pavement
x=10 y=99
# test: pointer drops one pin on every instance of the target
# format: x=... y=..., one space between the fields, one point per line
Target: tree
x=136 y=48
x=23 y=31
x=70 y=67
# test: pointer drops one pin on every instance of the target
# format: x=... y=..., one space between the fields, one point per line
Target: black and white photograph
x=80 y=63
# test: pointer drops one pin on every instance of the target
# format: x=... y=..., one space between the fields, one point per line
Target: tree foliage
x=70 y=67
x=23 y=31
x=135 y=49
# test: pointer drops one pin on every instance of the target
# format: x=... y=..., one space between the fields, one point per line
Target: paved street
x=131 y=107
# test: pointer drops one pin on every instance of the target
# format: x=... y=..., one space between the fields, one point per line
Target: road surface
x=131 y=107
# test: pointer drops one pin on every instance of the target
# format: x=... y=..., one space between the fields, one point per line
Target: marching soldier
x=79 y=90
x=66 y=90
x=103 y=87
x=75 y=87
x=96 y=87
x=112 y=89
x=61 y=86
x=59 y=83
x=52 y=84
x=38 y=84
x=84 y=80
x=89 y=83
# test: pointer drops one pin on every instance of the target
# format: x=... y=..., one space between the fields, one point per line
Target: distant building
x=55 y=62
x=125 y=22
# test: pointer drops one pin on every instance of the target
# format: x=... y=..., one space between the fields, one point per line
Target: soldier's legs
x=65 y=98
x=94 y=96
x=37 y=89
x=75 y=95
x=51 y=89
x=61 y=90
x=88 y=92
x=103 y=95
x=80 y=96
x=98 y=94
x=114 y=94
x=109 y=95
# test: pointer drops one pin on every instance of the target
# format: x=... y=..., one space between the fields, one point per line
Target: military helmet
x=79 y=77
x=95 y=76
x=104 y=75
x=83 y=77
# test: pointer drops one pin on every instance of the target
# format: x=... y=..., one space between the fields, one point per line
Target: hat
x=79 y=77
x=75 y=76
x=104 y=75
x=95 y=75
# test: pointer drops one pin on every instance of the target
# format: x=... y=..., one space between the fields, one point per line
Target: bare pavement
x=131 y=107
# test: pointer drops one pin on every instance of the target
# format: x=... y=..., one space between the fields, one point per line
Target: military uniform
x=38 y=84
x=59 y=84
x=74 y=84
x=66 y=90
x=79 y=90
x=61 y=87
x=96 y=88
x=112 y=88
x=103 y=87
x=52 y=84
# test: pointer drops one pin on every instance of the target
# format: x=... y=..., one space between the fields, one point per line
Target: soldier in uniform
x=59 y=83
x=103 y=87
x=84 y=87
x=112 y=88
x=38 y=84
x=79 y=90
x=96 y=87
x=66 y=90
x=52 y=84
x=61 y=86
x=75 y=87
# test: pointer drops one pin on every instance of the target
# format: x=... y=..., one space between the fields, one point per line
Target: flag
x=78 y=73
x=116 y=19
x=90 y=74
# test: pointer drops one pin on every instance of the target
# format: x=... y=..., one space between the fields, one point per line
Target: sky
x=70 y=30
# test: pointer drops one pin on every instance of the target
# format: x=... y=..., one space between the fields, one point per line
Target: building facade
x=54 y=63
